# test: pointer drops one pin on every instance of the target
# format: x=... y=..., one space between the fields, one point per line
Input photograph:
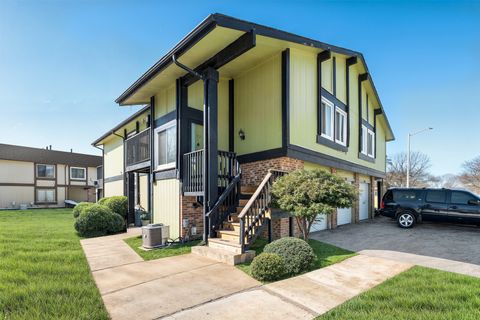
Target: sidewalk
x=194 y=287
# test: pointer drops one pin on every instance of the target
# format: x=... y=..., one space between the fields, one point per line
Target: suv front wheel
x=406 y=220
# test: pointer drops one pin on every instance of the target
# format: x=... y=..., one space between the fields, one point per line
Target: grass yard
x=43 y=271
x=173 y=250
x=326 y=254
x=419 y=293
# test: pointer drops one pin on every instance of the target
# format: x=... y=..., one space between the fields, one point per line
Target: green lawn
x=43 y=271
x=419 y=293
x=326 y=254
x=173 y=250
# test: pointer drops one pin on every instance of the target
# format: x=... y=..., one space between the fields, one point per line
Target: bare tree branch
x=470 y=176
x=419 y=166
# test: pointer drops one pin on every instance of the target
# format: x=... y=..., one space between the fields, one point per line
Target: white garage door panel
x=363 y=199
x=319 y=224
x=344 y=216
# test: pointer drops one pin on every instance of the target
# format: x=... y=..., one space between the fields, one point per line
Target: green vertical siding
x=195 y=100
x=165 y=101
x=258 y=110
x=303 y=107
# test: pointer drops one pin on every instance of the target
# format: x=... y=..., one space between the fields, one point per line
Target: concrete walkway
x=468 y=269
x=194 y=287
x=110 y=251
x=301 y=297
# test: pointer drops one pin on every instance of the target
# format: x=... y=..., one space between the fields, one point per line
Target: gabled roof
x=120 y=125
x=38 y=155
x=219 y=20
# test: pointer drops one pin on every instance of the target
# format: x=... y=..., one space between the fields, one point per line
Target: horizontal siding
x=16 y=171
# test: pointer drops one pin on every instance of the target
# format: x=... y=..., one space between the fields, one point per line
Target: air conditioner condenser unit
x=155 y=235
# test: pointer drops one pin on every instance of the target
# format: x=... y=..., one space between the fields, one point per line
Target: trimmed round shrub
x=102 y=201
x=80 y=207
x=297 y=254
x=118 y=204
x=98 y=220
x=268 y=267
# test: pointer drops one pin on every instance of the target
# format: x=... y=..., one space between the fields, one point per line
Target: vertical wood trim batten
x=231 y=115
x=285 y=98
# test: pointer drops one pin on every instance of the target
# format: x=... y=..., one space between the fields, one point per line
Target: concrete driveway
x=444 y=246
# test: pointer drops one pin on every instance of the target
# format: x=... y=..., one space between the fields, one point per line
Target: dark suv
x=411 y=205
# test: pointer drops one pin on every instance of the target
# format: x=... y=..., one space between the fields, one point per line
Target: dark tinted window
x=405 y=195
x=436 y=196
x=388 y=196
x=459 y=197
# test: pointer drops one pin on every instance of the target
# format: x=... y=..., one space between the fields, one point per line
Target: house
x=45 y=178
x=227 y=110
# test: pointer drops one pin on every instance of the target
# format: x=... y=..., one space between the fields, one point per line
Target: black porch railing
x=138 y=148
x=193 y=171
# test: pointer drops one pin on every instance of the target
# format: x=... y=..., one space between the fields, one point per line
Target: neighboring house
x=265 y=109
x=45 y=178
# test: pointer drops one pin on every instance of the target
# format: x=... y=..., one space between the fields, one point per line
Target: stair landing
x=224 y=254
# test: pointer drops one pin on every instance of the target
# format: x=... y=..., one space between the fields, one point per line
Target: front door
x=363 y=200
x=464 y=207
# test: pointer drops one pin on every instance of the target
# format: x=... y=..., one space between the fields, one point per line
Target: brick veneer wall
x=254 y=172
x=194 y=213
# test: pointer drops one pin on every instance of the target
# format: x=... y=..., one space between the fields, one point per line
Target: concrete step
x=230 y=235
x=232 y=246
x=222 y=255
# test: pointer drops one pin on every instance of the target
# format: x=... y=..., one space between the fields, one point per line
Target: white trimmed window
x=46 y=171
x=327 y=109
x=166 y=146
x=77 y=173
x=340 y=126
x=45 y=195
x=368 y=142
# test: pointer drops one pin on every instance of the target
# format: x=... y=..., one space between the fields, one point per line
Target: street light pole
x=410 y=135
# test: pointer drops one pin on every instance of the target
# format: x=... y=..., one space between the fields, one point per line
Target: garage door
x=319 y=224
x=344 y=216
x=363 y=200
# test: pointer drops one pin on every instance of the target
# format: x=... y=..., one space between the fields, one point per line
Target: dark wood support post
x=151 y=121
x=290 y=226
x=210 y=152
x=269 y=226
x=131 y=197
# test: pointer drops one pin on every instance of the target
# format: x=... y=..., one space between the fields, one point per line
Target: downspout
x=206 y=228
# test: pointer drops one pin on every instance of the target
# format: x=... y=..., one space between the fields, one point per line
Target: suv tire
x=406 y=219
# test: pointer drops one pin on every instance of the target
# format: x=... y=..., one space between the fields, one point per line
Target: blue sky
x=62 y=63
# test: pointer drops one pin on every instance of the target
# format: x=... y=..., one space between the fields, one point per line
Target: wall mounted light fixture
x=241 y=134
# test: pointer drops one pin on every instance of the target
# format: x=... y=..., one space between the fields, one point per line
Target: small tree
x=307 y=193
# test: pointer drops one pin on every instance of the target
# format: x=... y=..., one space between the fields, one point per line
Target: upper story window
x=327 y=119
x=46 y=171
x=333 y=122
x=78 y=173
x=368 y=142
x=166 y=146
x=340 y=127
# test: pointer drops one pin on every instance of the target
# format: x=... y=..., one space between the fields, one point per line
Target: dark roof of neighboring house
x=121 y=124
x=20 y=153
